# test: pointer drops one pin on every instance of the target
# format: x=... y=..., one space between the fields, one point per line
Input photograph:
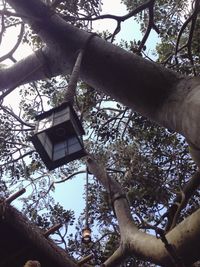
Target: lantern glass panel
x=73 y=144
x=66 y=147
x=76 y=128
x=60 y=150
x=45 y=124
x=46 y=143
x=61 y=116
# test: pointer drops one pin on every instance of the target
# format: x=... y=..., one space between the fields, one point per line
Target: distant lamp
x=86 y=235
x=58 y=136
x=86 y=232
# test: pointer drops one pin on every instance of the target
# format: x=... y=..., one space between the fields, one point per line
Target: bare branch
x=11 y=113
x=12 y=51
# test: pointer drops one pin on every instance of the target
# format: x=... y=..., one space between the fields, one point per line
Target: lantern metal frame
x=58 y=136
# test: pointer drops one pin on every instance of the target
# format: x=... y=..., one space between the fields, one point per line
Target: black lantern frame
x=58 y=136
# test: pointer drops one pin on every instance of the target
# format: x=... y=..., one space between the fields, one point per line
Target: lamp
x=58 y=136
x=86 y=235
x=86 y=232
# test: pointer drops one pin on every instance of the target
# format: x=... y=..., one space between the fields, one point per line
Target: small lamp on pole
x=86 y=235
x=86 y=232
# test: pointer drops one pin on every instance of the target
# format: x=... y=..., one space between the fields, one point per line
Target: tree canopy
x=139 y=111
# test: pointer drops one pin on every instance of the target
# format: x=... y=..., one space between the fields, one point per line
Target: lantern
x=86 y=232
x=86 y=235
x=58 y=136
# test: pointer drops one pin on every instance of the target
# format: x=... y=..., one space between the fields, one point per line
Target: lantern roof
x=59 y=108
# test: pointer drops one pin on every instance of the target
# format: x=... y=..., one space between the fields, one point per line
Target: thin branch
x=71 y=88
x=69 y=177
x=185 y=24
x=20 y=81
x=10 y=112
x=117 y=18
x=15 y=160
x=188 y=191
x=151 y=25
x=12 y=51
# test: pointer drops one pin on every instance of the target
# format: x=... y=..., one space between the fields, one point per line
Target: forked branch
x=145 y=246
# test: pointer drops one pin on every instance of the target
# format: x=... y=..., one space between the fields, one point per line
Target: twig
x=14 y=196
x=52 y=229
x=188 y=191
x=11 y=52
x=15 y=160
x=10 y=112
x=20 y=81
x=85 y=259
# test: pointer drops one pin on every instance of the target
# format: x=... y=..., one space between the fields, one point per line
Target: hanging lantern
x=86 y=235
x=58 y=136
x=86 y=232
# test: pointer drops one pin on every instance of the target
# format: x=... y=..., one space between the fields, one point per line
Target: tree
x=162 y=93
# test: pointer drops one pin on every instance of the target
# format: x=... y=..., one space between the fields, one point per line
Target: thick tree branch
x=146 y=246
x=101 y=68
x=24 y=71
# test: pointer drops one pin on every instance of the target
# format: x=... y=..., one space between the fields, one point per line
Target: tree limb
x=145 y=246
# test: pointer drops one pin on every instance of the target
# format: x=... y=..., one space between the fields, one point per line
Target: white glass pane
x=48 y=150
x=74 y=148
x=72 y=140
x=46 y=143
x=42 y=138
x=45 y=124
x=36 y=127
x=59 y=120
x=64 y=113
x=75 y=126
x=59 y=154
x=80 y=139
x=60 y=145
